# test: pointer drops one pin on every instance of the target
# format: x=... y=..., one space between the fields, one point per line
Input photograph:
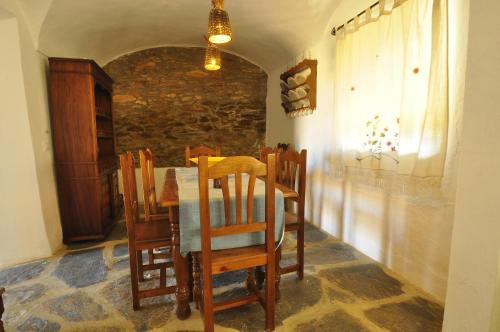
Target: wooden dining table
x=170 y=199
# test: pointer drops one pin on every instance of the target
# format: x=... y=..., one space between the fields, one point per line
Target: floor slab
x=87 y=288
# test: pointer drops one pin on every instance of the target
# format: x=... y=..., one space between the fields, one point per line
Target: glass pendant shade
x=219 y=29
x=212 y=57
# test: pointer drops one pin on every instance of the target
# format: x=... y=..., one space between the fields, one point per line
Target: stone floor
x=87 y=288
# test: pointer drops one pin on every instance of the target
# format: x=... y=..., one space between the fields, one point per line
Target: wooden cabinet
x=84 y=148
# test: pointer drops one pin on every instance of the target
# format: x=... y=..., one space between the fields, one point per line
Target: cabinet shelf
x=102 y=116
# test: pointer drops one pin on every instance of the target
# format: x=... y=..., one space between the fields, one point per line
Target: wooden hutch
x=84 y=148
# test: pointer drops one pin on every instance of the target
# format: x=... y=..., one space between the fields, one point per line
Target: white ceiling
x=266 y=32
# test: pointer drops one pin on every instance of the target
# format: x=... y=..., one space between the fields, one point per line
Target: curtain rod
x=335 y=29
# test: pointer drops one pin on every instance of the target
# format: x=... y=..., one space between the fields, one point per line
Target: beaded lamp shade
x=212 y=57
x=219 y=29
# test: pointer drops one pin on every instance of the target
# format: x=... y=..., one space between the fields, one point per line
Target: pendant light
x=219 y=29
x=212 y=57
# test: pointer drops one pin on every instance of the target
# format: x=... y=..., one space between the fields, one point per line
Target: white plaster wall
x=23 y=234
x=35 y=66
x=495 y=313
x=29 y=215
x=476 y=234
x=410 y=235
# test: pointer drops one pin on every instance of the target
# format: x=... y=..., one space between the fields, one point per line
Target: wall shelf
x=311 y=81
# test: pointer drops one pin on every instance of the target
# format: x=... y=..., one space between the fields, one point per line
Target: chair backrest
x=200 y=151
x=237 y=166
x=130 y=199
x=148 y=183
x=283 y=146
x=292 y=167
x=264 y=151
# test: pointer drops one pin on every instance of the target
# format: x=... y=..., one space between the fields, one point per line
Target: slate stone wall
x=164 y=100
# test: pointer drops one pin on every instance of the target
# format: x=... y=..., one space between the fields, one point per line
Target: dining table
x=169 y=198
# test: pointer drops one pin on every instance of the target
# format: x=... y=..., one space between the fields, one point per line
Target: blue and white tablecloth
x=189 y=212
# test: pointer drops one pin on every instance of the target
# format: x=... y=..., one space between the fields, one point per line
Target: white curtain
x=391 y=88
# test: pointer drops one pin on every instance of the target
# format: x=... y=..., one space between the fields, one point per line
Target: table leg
x=181 y=265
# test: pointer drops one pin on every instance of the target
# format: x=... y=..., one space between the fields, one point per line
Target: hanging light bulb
x=219 y=29
x=212 y=57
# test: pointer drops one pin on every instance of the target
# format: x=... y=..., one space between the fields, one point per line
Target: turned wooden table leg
x=181 y=265
x=1 y=310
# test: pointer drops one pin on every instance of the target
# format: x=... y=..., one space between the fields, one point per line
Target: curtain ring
x=381 y=9
x=344 y=31
x=368 y=15
x=356 y=23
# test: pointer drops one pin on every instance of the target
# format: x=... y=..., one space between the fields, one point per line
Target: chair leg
x=208 y=309
x=270 y=295
x=196 y=281
x=300 y=250
x=278 y=273
x=140 y=263
x=134 y=270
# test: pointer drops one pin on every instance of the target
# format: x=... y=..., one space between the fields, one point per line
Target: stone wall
x=164 y=100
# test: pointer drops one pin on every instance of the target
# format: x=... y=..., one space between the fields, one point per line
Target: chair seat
x=288 y=193
x=238 y=258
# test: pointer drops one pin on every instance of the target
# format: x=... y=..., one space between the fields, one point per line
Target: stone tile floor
x=87 y=288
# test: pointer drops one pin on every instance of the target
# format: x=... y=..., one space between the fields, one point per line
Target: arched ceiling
x=266 y=32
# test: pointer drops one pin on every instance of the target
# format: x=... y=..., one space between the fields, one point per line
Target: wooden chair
x=292 y=168
x=2 y=309
x=264 y=151
x=216 y=262
x=151 y=207
x=200 y=151
x=143 y=235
